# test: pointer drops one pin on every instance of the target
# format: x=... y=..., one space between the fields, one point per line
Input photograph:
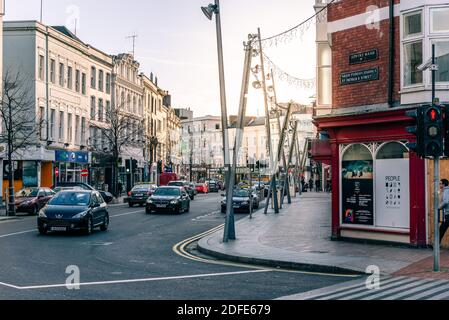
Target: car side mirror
x=95 y=205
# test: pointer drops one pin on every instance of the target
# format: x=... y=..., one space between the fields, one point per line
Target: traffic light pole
x=436 y=178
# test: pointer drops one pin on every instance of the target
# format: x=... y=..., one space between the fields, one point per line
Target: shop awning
x=321 y=151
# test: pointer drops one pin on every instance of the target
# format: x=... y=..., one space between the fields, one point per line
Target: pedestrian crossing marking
x=391 y=288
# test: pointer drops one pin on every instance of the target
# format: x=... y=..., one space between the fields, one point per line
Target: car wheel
x=105 y=225
x=35 y=210
x=180 y=209
x=131 y=204
x=147 y=210
x=188 y=208
x=89 y=227
x=42 y=231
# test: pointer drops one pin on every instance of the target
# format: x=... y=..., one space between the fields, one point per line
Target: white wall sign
x=392 y=193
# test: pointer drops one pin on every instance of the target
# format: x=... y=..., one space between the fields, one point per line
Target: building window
x=69 y=77
x=41 y=67
x=83 y=131
x=442 y=54
x=413 y=24
x=61 y=126
x=100 y=80
x=77 y=130
x=53 y=71
x=83 y=83
x=439 y=20
x=122 y=100
x=69 y=127
x=134 y=105
x=108 y=112
x=77 y=81
x=413 y=57
x=92 y=108
x=93 y=77
x=61 y=74
x=41 y=121
x=52 y=124
x=100 y=110
x=108 y=83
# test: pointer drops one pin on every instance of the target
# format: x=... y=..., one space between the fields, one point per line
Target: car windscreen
x=71 y=199
x=142 y=187
x=27 y=193
x=167 y=192
x=241 y=194
x=176 y=184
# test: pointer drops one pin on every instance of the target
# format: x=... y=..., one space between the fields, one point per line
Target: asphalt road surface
x=135 y=259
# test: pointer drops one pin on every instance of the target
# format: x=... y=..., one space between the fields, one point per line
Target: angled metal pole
x=229 y=225
x=282 y=141
x=290 y=155
x=273 y=188
x=284 y=161
x=239 y=135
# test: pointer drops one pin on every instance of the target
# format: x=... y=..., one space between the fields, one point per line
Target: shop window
x=413 y=57
x=413 y=24
x=357 y=152
x=392 y=150
x=442 y=54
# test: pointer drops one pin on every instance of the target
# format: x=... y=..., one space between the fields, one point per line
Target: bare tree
x=20 y=125
x=120 y=129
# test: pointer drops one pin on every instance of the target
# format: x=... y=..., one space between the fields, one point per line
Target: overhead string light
x=307 y=84
x=298 y=31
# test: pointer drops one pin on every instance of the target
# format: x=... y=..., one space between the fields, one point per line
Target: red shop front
x=378 y=186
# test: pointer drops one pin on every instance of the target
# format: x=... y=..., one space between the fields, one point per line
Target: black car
x=169 y=199
x=107 y=196
x=186 y=185
x=140 y=193
x=74 y=210
x=241 y=201
x=213 y=186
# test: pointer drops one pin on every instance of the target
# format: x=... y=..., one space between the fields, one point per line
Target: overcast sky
x=178 y=44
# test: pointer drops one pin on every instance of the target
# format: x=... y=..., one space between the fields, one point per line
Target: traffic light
x=433 y=131
x=417 y=130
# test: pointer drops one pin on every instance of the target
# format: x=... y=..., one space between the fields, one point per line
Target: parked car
x=201 y=187
x=241 y=201
x=107 y=196
x=192 y=185
x=168 y=199
x=140 y=193
x=31 y=200
x=212 y=186
x=74 y=210
x=186 y=185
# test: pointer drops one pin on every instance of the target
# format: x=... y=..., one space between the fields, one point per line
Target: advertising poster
x=392 y=193
x=357 y=183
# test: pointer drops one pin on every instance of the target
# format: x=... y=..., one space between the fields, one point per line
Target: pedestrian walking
x=444 y=205
x=120 y=189
x=311 y=184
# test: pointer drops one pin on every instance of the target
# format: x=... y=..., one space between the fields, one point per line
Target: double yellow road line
x=180 y=249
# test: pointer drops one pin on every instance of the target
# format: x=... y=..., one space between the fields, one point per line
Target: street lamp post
x=209 y=11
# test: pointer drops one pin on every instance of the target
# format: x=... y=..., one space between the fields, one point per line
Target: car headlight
x=149 y=201
x=174 y=202
x=42 y=214
x=245 y=203
x=80 y=215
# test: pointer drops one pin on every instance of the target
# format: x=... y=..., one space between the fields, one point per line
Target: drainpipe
x=391 y=65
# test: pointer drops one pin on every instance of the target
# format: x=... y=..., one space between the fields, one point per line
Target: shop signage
x=359 y=76
x=357 y=182
x=361 y=57
x=392 y=193
x=69 y=156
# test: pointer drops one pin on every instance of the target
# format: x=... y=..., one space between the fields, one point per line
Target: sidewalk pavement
x=299 y=237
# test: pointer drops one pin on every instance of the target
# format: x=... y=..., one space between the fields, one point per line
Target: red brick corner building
x=379 y=187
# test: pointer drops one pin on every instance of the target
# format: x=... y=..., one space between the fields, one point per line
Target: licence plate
x=236 y=207
x=161 y=206
x=138 y=195
x=58 y=229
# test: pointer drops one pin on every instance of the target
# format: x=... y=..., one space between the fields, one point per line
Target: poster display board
x=357 y=186
x=392 y=193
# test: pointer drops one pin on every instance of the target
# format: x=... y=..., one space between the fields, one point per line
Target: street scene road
x=135 y=259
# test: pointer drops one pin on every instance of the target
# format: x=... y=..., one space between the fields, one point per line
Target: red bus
x=167 y=177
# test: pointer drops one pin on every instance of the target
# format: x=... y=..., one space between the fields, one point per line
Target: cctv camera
x=425 y=65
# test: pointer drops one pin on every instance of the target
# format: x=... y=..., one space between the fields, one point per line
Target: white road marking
x=127 y=213
x=17 y=233
x=134 y=280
